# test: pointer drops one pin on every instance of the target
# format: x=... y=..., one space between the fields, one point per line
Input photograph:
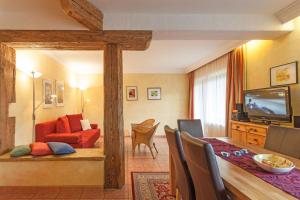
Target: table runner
x=290 y=183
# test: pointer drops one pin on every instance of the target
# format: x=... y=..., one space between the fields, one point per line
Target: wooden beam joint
x=84 y=12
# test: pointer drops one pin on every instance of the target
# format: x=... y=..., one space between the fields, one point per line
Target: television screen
x=270 y=104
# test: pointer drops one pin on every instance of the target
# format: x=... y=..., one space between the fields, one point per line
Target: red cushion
x=40 y=149
x=74 y=121
x=62 y=125
x=70 y=138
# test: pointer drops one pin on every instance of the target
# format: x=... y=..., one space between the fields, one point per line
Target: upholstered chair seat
x=284 y=140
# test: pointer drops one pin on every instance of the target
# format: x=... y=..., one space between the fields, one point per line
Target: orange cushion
x=62 y=125
x=74 y=121
x=40 y=149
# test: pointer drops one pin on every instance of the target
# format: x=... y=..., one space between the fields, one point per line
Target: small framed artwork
x=286 y=74
x=154 y=93
x=60 y=94
x=47 y=94
x=131 y=93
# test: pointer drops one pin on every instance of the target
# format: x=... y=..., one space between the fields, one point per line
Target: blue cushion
x=60 y=148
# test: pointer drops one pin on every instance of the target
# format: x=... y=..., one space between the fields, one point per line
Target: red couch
x=67 y=129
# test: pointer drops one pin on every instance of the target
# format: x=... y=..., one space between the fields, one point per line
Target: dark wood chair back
x=193 y=127
x=203 y=167
x=284 y=140
x=183 y=181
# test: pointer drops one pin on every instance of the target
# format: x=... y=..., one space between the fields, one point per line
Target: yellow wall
x=94 y=108
x=173 y=105
x=261 y=55
x=50 y=69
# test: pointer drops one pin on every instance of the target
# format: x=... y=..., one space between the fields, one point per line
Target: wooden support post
x=7 y=96
x=113 y=117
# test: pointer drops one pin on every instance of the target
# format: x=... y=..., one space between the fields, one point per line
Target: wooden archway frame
x=112 y=42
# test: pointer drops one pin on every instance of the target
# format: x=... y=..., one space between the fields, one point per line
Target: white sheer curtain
x=210 y=97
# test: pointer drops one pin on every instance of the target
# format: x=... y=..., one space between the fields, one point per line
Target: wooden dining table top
x=243 y=185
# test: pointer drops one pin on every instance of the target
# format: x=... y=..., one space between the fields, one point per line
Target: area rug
x=151 y=186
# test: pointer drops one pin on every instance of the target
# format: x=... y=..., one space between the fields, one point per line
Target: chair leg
x=133 y=148
x=151 y=152
x=155 y=147
x=139 y=146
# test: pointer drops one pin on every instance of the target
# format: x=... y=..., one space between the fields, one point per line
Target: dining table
x=239 y=183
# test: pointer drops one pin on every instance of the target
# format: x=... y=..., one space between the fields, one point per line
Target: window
x=210 y=97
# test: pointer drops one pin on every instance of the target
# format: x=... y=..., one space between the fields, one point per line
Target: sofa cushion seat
x=70 y=138
x=89 y=137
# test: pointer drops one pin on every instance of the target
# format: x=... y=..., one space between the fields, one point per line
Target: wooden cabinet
x=239 y=136
x=248 y=133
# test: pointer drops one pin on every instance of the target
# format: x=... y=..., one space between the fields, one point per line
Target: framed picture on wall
x=286 y=74
x=47 y=94
x=154 y=93
x=60 y=94
x=131 y=93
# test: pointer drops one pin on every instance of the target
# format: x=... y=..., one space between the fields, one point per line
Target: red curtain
x=235 y=83
x=191 y=94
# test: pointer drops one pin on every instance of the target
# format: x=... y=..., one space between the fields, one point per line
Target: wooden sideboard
x=246 y=133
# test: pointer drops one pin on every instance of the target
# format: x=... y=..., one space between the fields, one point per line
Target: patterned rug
x=151 y=186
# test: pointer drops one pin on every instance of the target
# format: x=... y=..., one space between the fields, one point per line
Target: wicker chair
x=148 y=122
x=143 y=134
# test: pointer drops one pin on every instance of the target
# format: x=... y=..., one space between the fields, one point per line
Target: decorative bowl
x=274 y=164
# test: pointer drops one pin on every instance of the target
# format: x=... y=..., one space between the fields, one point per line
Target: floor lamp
x=83 y=101
x=34 y=76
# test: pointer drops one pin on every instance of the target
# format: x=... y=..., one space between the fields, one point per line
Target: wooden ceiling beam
x=289 y=13
x=81 y=40
x=84 y=12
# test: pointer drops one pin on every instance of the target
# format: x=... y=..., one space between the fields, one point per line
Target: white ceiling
x=186 y=33
x=191 y=6
x=157 y=59
x=80 y=62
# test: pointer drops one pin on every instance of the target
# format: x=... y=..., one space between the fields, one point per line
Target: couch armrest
x=43 y=129
x=94 y=126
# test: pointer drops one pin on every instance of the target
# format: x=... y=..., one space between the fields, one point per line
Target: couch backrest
x=43 y=129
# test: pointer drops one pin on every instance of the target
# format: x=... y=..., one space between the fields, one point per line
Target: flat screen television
x=270 y=104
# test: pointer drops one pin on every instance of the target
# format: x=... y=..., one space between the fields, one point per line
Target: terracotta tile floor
x=142 y=161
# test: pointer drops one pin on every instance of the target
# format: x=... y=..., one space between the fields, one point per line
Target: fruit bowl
x=274 y=164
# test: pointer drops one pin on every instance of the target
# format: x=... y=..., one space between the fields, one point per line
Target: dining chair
x=283 y=140
x=202 y=164
x=192 y=126
x=183 y=180
x=142 y=134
